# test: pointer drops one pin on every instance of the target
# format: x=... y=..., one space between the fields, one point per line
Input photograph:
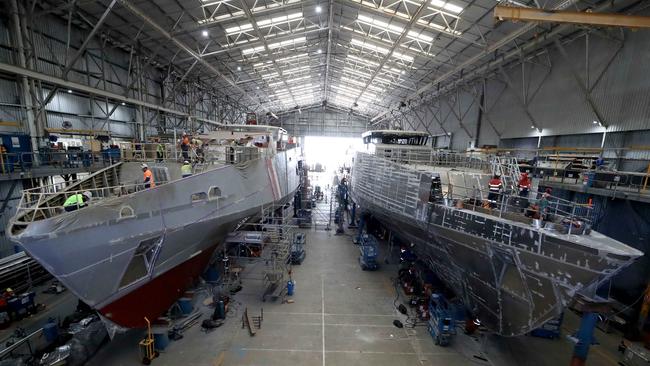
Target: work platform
x=612 y=184
x=50 y=170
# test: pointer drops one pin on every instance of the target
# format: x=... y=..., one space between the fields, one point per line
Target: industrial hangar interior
x=335 y=182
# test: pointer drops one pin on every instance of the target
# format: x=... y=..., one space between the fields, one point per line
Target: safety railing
x=536 y=207
x=57 y=160
x=89 y=161
x=426 y=156
x=49 y=201
x=613 y=182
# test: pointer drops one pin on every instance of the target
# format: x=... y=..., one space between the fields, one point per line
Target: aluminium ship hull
x=513 y=276
x=133 y=256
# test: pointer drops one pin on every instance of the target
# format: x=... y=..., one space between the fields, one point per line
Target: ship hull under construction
x=511 y=275
x=134 y=255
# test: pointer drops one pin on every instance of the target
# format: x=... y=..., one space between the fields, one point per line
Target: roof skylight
x=288 y=42
x=446 y=5
x=264 y=23
x=379 y=49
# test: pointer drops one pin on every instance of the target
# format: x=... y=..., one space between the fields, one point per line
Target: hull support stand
x=353 y=219
x=584 y=338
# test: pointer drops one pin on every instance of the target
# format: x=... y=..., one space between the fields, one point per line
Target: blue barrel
x=51 y=332
x=220 y=310
x=185 y=304
x=290 y=288
x=16 y=308
x=211 y=275
x=160 y=341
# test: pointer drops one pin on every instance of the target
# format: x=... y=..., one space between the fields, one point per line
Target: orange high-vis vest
x=148 y=174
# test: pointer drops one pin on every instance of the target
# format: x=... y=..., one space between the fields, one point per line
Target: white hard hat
x=88 y=194
x=144 y=165
x=186 y=162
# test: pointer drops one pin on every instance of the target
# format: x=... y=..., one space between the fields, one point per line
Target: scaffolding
x=265 y=243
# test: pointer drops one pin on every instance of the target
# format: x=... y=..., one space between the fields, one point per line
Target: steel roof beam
x=490 y=50
x=257 y=42
x=269 y=55
x=395 y=45
x=329 y=47
x=137 y=12
x=279 y=9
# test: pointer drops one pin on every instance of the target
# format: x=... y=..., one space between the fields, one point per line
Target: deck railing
x=426 y=156
x=43 y=202
x=511 y=205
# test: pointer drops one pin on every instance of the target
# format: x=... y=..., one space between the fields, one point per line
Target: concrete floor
x=57 y=306
x=342 y=316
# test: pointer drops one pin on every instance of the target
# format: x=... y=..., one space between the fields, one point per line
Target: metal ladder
x=508 y=169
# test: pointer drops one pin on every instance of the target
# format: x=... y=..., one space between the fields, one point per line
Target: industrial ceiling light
x=318 y=9
x=123 y=103
x=258 y=88
x=532 y=126
x=320 y=51
x=238 y=68
x=596 y=122
x=205 y=33
x=69 y=91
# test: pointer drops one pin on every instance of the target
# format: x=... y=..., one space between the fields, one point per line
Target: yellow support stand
x=147 y=351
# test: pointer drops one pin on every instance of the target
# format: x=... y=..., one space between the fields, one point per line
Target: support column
x=140 y=114
x=24 y=83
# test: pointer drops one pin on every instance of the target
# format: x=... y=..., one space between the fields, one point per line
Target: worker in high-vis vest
x=76 y=201
x=160 y=151
x=185 y=146
x=495 y=187
x=148 y=177
x=186 y=169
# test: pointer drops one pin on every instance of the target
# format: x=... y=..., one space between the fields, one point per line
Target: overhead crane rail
x=517 y=13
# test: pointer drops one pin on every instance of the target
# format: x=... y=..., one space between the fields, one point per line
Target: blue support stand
x=585 y=337
x=353 y=218
x=590 y=308
x=362 y=223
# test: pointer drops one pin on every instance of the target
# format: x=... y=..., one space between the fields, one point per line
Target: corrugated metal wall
x=447 y=112
x=5 y=39
x=6 y=246
x=316 y=122
x=555 y=100
x=79 y=110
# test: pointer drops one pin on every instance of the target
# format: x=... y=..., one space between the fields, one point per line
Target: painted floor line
x=348 y=351
x=332 y=324
x=326 y=314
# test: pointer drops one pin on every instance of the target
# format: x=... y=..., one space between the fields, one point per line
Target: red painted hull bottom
x=155 y=297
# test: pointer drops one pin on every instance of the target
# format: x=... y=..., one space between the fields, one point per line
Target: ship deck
x=343 y=316
x=593 y=240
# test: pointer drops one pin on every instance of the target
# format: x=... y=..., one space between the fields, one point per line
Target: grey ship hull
x=513 y=276
x=173 y=230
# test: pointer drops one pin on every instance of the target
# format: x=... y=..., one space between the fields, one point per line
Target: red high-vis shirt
x=495 y=185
